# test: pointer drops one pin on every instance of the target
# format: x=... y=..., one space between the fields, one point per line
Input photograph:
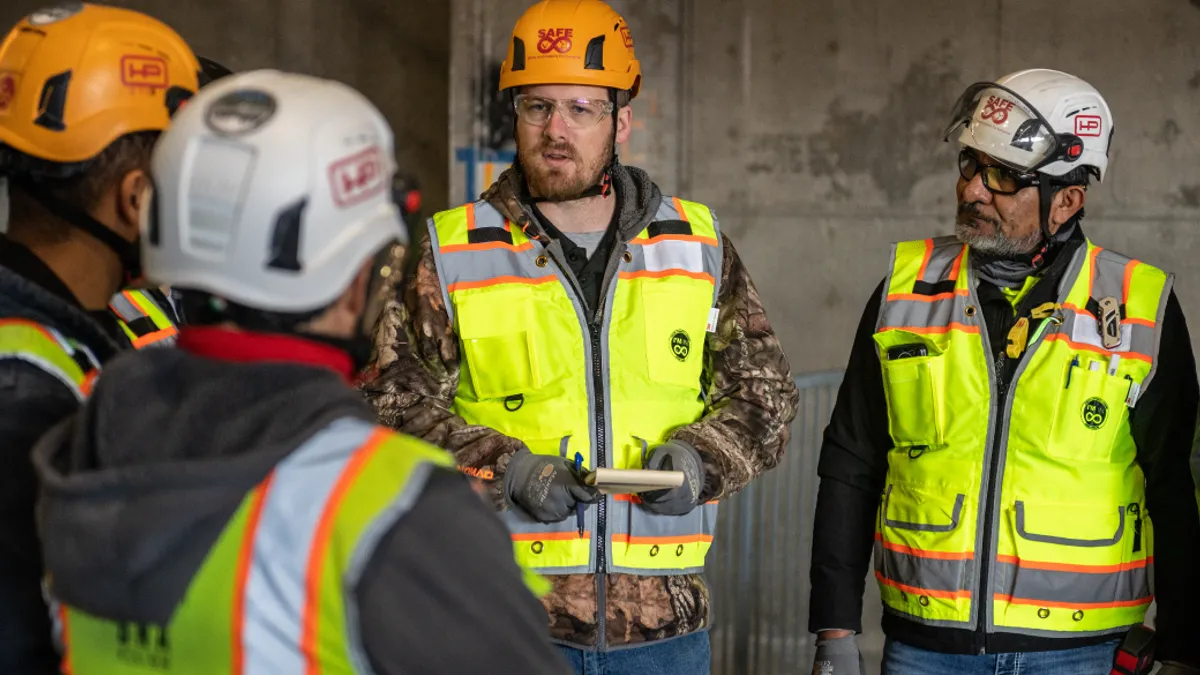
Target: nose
x=976 y=191
x=556 y=127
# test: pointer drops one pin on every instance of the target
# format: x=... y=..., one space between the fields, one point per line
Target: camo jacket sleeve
x=413 y=376
x=751 y=395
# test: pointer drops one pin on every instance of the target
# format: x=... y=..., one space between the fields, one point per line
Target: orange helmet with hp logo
x=571 y=42
x=76 y=77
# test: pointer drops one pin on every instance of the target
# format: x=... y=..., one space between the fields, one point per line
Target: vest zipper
x=601 y=505
x=984 y=595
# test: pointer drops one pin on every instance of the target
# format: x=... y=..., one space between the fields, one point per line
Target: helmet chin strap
x=1045 y=199
x=128 y=252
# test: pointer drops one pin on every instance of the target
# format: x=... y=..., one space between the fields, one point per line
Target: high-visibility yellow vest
x=537 y=366
x=271 y=595
x=65 y=359
x=143 y=319
x=1021 y=511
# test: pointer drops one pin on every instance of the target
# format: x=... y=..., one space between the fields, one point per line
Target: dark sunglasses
x=998 y=179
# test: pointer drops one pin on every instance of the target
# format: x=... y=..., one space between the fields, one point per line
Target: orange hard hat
x=571 y=42
x=76 y=77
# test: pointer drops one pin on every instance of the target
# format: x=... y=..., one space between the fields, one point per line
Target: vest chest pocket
x=912 y=375
x=500 y=353
x=1090 y=412
x=675 y=315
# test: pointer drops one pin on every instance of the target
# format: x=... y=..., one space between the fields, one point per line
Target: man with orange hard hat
x=576 y=318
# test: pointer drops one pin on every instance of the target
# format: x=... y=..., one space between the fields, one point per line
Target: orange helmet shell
x=76 y=77
x=571 y=42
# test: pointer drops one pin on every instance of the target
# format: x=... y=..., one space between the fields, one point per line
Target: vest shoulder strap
x=66 y=360
x=146 y=317
x=924 y=267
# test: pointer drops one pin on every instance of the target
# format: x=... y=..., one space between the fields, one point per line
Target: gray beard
x=997 y=245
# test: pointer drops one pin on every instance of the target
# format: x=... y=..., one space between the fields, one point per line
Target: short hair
x=83 y=189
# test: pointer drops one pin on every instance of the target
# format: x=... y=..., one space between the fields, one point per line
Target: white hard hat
x=271 y=190
x=1036 y=120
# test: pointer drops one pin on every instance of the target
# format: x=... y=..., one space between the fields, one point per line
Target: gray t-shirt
x=588 y=241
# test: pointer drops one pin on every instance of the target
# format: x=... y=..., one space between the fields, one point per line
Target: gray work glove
x=675 y=456
x=838 y=656
x=545 y=486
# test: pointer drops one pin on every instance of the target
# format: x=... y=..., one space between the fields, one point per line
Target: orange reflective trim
x=925 y=260
x=913 y=590
x=470 y=216
x=136 y=302
x=65 y=636
x=487 y=246
x=922 y=553
x=927 y=298
x=89 y=381
x=1149 y=323
x=709 y=241
x=678 y=539
x=320 y=546
x=934 y=330
x=1059 y=337
x=633 y=499
x=1126 y=281
x=496 y=281
x=1074 y=605
x=1092 y=268
x=646 y=274
x=156 y=336
x=242 y=573
x=679 y=209
x=1068 y=567
x=957 y=266
x=550 y=536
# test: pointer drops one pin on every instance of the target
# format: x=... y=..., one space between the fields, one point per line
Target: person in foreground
x=577 y=318
x=1011 y=440
x=251 y=517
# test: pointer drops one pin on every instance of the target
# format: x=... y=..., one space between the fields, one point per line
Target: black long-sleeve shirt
x=853 y=468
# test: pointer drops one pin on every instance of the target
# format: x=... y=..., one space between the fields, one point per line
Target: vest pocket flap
x=908 y=508
x=1087 y=526
x=501 y=365
x=500 y=355
x=912 y=374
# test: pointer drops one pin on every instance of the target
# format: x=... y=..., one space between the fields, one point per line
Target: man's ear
x=1067 y=202
x=131 y=191
x=624 y=124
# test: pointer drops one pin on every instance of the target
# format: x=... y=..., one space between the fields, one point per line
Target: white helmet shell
x=1007 y=120
x=271 y=190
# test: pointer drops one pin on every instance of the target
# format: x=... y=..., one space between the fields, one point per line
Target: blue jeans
x=689 y=655
x=901 y=659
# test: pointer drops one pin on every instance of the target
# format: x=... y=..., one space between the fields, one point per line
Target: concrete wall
x=396 y=53
x=813 y=128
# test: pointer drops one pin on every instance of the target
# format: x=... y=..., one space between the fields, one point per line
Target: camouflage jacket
x=744 y=431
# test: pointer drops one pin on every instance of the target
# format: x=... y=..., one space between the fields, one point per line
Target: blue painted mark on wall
x=482 y=167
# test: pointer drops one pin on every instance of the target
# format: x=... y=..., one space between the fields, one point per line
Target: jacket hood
x=138 y=486
x=638 y=198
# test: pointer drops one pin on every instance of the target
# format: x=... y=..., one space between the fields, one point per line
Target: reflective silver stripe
x=1067 y=541
x=368 y=543
x=1108 y=275
x=941 y=261
x=714 y=261
x=1083 y=328
x=125 y=309
x=628 y=519
x=275 y=594
x=924 y=314
x=933 y=574
x=925 y=527
x=440 y=266
x=1025 y=583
